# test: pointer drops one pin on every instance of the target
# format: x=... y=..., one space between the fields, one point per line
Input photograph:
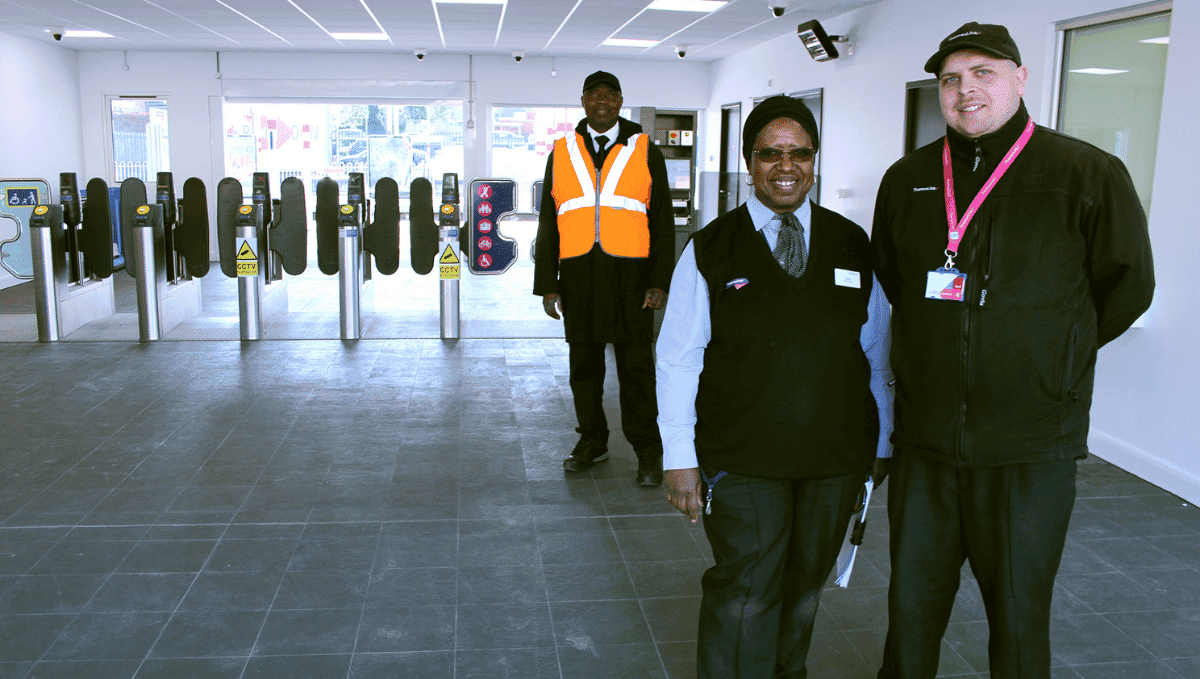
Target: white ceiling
x=538 y=27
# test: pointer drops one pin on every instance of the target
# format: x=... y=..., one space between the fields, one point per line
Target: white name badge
x=946 y=284
x=847 y=279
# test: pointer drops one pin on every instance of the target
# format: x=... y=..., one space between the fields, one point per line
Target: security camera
x=777 y=7
x=56 y=32
x=518 y=56
x=681 y=50
x=420 y=53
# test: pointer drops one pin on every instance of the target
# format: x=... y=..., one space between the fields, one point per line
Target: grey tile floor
x=397 y=508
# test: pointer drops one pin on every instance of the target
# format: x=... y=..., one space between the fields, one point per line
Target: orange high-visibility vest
x=616 y=218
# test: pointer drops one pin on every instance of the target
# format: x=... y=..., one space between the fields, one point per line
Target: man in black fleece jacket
x=1010 y=254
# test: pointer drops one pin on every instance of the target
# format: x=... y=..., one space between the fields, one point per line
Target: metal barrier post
x=41 y=235
x=350 y=274
x=248 y=274
x=449 y=244
x=149 y=322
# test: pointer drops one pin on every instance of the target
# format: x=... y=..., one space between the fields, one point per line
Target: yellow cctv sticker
x=448 y=256
x=247 y=261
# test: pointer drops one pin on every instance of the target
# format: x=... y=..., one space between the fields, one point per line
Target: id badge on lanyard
x=946 y=282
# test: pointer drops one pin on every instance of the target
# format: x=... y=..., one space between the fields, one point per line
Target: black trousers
x=775 y=543
x=1010 y=524
x=639 y=406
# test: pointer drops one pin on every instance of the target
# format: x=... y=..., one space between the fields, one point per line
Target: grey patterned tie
x=789 y=246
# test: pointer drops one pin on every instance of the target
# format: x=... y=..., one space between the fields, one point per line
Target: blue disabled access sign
x=491 y=201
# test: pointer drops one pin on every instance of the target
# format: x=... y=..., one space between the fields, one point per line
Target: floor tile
x=602 y=661
x=142 y=592
x=201 y=634
x=109 y=636
x=85 y=669
x=49 y=593
x=311 y=631
x=400 y=630
x=427 y=665
x=175 y=668
x=491 y=626
x=600 y=622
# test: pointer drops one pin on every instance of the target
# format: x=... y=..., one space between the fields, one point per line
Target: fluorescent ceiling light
x=85 y=34
x=688 y=5
x=629 y=42
x=471 y=2
x=1166 y=39
x=1099 y=71
x=359 y=36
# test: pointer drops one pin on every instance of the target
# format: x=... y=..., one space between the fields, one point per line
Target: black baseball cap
x=601 y=77
x=987 y=38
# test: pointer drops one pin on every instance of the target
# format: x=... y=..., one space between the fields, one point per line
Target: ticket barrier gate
x=259 y=241
x=346 y=244
x=479 y=241
x=72 y=259
x=167 y=241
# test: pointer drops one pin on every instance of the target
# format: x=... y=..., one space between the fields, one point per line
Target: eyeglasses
x=774 y=155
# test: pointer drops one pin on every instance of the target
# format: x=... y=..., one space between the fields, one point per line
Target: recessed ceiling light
x=85 y=34
x=1166 y=39
x=471 y=2
x=629 y=42
x=359 y=36
x=688 y=5
x=1099 y=71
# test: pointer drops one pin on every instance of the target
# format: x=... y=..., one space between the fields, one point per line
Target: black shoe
x=650 y=471
x=584 y=456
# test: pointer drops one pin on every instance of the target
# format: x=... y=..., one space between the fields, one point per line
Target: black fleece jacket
x=1058 y=263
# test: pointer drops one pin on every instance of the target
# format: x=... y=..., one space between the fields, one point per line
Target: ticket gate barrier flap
x=422 y=227
x=289 y=235
x=356 y=194
x=537 y=210
x=133 y=196
x=164 y=195
x=114 y=212
x=191 y=235
x=489 y=252
x=18 y=198
x=96 y=232
x=260 y=194
x=326 y=217
x=382 y=236
x=229 y=199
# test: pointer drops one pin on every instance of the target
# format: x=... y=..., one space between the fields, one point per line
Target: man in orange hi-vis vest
x=605 y=250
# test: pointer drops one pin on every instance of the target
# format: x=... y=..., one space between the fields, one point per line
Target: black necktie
x=601 y=148
x=789 y=246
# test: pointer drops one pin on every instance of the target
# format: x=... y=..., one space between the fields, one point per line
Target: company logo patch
x=925 y=188
x=738 y=283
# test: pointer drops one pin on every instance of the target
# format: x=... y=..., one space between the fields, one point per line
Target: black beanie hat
x=771 y=108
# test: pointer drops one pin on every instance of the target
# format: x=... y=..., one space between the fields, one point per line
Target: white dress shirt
x=686 y=332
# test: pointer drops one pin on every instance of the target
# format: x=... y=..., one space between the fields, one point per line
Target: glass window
x=139 y=139
x=522 y=138
x=314 y=141
x=1112 y=89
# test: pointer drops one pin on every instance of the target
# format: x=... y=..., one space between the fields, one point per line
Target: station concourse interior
x=396 y=506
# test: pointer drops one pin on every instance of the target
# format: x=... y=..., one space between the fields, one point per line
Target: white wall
x=1146 y=398
x=40 y=127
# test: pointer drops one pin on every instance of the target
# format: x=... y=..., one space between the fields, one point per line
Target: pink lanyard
x=959 y=227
